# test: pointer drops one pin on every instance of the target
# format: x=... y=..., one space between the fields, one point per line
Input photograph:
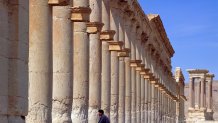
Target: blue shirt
x=104 y=119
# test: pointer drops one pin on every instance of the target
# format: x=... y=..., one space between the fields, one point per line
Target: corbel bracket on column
x=80 y=14
x=153 y=80
x=115 y=45
x=161 y=87
x=107 y=35
x=58 y=2
x=124 y=52
x=183 y=97
x=157 y=84
x=144 y=71
x=140 y=67
x=94 y=27
x=135 y=63
x=148 y=75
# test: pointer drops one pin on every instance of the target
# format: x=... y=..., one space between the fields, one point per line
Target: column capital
x=135 y=63
x=124 y=52
x=94 y=27
x=115 y=45
x=140 y=67
x=107 y=35
x=80 y=14
x=144 y=71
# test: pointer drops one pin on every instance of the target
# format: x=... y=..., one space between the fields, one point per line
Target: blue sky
x=192 y=27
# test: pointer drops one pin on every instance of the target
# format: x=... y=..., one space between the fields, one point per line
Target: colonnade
x=62 y=60
x=199 y=107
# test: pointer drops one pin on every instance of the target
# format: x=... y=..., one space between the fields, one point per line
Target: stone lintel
x=58 y=2
x=115 y=45
x=197 y=73
x=144 y=71
x=107 y=35
x=124 y=52
x=80 y=14
x=94 y=27
x=135 y=63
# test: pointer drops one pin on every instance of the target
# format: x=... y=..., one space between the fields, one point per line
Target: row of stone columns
x=83 y=55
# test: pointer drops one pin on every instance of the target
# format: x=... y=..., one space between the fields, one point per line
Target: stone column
x=202 y=93
x=133 y=73
x=138 y=76
x=62 y=65
x=142 y=99
x=146 y=101
x=4 y=61
x=198 y=95
x=210 y=96
x=80 y=15
x=114 y=87
x=93 y=28
x=142 y=84
x=191 y=93
x=127 y=74
x=122 y=55
x=121 y=107
x=40 y=62
x=114 y=47
x=152 y=104
x=18 y=40
x=106 y=35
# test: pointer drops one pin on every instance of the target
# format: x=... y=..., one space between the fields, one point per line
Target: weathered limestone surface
x=4 y=61
x=80 y=15
x=106 y=65
x=40 y=62
x=62 y=65
x=95 y=26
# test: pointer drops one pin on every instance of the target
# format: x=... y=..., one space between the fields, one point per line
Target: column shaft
x=149 y=102
x=127 y=91
x=18 y=60
x=138 y=97
x=4 y=61
x=142 y=99
x=202 y=93
x=114 y=87
x=146 y=101
x=198 y=95
x=62 y=65
x=114 y=24
x=106 y=79
x=210 y=95
x=133 y=95
x=40 y=62
x=152 y=104
x=191 y=94
x=121 y=107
